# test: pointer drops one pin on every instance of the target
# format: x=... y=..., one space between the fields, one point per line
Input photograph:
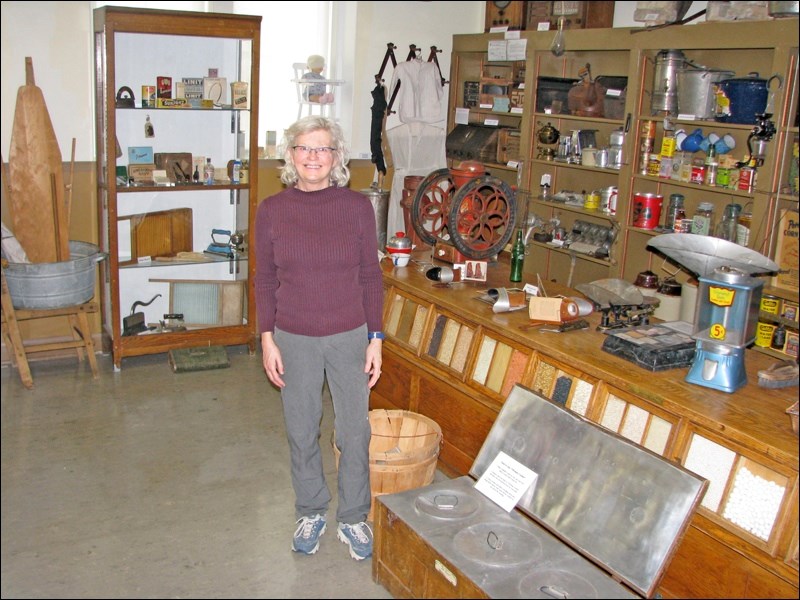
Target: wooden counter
x=449 y=357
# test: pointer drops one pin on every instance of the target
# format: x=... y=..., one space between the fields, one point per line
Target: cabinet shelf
x=699 y=123
x=562 y=164
x=575 y=209
x=492 y=113
x=565 y=117
x=695 y=186
x=184 y=109
x=568 y=252
x=181 y=187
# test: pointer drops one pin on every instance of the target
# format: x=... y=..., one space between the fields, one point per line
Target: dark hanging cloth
x=379 y=106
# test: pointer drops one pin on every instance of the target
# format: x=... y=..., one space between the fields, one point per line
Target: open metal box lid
x=619 y=504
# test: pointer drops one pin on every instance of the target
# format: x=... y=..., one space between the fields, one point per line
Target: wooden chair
x=78 y=321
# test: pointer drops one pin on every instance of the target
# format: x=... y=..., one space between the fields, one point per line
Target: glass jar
x=703 y=219
x=726 y=230
x=675 y=205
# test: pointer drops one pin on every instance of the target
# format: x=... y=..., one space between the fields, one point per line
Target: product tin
x=791 y=343
x=764 y=333
x=591 y=201
x=747 y=179
x=770 y=304
x=698 y=174
x=148 y=96
x=647 y=210
x=790 y=310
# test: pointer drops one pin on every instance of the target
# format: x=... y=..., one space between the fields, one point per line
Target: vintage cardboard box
x=786 y=251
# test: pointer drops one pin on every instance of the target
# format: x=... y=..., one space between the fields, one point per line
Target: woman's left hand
x=374 y=361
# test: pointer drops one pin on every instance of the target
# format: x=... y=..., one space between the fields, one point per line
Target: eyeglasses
x=321 y=151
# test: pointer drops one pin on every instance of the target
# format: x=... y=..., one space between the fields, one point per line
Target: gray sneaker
x=358 y=537
x=307 y=534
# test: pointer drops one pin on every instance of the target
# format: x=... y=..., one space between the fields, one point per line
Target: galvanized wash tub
x=57 y=284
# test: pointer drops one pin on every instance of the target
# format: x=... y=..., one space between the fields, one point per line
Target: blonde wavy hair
x=340 y=174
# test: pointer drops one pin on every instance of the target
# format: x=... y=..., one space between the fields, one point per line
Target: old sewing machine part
x=727 y=307
x=545 y=547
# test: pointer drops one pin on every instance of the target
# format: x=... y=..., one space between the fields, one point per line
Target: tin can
x=647 y=210
x=770 y=304
x=698 y=174
x=791 y=344
x=790 y=310
x=764 y=333
x=649 y=132
x=148 y=96
x=591 y=201
x=723 y=177
x=601 y=158
x=608 y=200
x=653 y=164
x=747 y=179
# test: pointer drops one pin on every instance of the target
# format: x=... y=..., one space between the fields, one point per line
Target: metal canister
x=770 y=304
x=665 y=81
x=601 y=158
x=608 y=200
x=653 y=164
x=646 y=210
x=592 y=201
x=747 y=179
x=764 y=333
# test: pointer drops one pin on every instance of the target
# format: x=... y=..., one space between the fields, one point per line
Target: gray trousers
x=308 y=362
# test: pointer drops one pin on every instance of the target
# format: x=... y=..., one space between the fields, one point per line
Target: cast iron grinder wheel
x=431 y=206
x=482 y=215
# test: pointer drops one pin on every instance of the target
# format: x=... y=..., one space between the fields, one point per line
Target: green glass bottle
x=517 y=258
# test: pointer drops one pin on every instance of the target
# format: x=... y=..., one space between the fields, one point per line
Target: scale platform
x=652 y=347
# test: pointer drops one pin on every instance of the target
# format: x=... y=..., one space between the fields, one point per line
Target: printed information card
x=506 y=481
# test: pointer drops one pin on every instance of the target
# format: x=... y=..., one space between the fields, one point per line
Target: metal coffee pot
x=548 y=134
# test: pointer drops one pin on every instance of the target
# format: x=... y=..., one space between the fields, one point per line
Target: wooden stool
x=78 y=320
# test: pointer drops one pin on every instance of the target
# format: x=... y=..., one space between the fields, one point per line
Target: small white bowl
x=401 y=260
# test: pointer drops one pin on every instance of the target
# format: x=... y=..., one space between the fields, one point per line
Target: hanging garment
x=376 y=129
x=417 y=149
x=420 y=96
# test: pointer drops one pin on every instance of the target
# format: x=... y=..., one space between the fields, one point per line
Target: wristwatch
x=375 y=335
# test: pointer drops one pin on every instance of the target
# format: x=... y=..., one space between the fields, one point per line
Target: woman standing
x=319 y=299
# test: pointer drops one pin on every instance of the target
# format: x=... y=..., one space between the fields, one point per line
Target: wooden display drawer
x=157 y=234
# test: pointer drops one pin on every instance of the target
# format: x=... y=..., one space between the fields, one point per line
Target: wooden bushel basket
x=403 y=452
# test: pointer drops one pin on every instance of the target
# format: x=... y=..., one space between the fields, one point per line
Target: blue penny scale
x=728 y=300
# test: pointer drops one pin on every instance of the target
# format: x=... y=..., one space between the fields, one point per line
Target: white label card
x=506 y=481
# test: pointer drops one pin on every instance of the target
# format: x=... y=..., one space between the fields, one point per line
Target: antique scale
x=728 y=299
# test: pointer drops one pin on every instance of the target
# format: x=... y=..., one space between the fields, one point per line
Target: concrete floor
x=152 y=484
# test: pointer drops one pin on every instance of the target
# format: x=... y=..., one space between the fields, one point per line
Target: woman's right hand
x=273 y=363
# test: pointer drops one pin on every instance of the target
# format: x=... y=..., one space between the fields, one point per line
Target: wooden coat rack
x=413 y=53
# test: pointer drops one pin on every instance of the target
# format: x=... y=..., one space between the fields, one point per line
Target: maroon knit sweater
x=317 y=270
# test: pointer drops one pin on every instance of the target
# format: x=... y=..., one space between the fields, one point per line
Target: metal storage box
x=602 y=519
